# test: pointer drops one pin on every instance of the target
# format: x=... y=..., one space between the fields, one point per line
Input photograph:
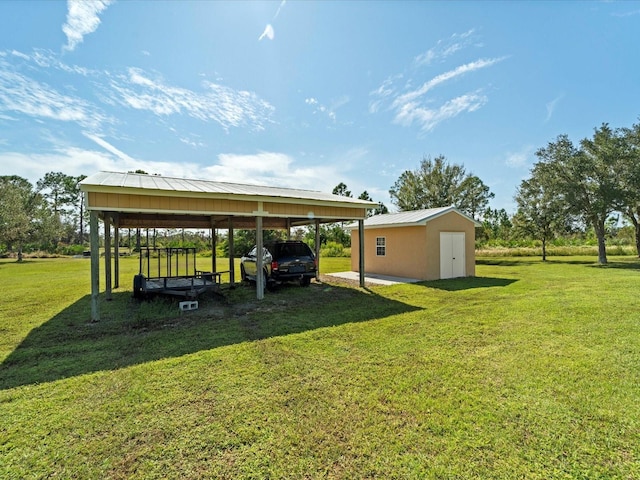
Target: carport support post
x=259 y=260
x=361 y=251
x=232 y=265
x=213 y=245
x=107 y=255
x=317 y=242
x=116 y=251
x=94 y=241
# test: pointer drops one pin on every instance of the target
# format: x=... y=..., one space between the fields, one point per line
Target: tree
x=20 y=208
x=436 y=183
x=496 y=224
x=380 y=209
x=586 y=178
x=629 y=176
x=341 y=189
x=66 y=200
x=541 y=212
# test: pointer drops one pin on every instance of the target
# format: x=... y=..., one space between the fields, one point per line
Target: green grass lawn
x=530 y=370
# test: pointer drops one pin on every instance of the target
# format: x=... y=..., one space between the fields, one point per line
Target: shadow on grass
x=630 y=265
x=132 y=332
x=456 y=284
x=508 y=262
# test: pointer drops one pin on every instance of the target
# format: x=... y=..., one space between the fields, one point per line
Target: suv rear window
x=292 y=249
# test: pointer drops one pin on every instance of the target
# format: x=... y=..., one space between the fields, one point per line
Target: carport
x=133 y=200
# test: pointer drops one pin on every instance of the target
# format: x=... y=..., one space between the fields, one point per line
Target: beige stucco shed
x=430 y=244
x=131 y=200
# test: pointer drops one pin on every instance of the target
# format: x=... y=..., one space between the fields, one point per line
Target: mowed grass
x=529 y=370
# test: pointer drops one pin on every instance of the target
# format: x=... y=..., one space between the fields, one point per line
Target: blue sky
x=308 y=94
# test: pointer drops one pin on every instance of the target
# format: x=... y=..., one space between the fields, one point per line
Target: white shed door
x=452 y=261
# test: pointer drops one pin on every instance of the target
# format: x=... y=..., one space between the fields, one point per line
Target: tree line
x=48 y=216
x=573 y=191
x=572 y=188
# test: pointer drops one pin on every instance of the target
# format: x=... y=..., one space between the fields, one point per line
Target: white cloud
x=22 y=94
x=413 y=106
x=268 y=33
x=445 y=48
x=107 y=146
x=444 y=77
x=275 y=169
x=428 y=118
x=224 y=105
x=280 y=7
x=520 y=158
x=82 y=19
x=551 y=107
x=329 y=111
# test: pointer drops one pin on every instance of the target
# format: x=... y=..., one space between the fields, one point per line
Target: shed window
x=381 y=246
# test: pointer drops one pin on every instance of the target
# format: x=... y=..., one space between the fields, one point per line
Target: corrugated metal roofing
x=157 y=182
x=413 y=217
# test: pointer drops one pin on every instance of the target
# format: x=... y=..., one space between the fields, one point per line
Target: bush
x=333 y=249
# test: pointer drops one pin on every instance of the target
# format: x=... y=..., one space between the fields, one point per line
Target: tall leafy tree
x=63 y=194
x=629 y=176
x=21 y=208
x=437 y=183
x=380 y=209
x=587 y=177
x=541 y=212
x=342 y=190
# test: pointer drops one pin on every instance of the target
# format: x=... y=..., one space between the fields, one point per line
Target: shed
x=431 y=244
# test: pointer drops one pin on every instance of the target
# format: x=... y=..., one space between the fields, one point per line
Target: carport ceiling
x=150 y=201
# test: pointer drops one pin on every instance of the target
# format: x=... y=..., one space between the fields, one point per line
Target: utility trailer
x=172 y=271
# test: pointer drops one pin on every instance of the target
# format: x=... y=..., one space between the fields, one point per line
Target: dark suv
x=282 y=262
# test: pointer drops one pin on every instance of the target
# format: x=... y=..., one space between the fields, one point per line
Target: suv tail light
x=274 y=265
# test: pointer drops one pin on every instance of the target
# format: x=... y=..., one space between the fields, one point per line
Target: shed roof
x=410 y=218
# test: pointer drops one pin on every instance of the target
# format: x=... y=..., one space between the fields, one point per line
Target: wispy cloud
x=551 y=107
x=269 y=32
x=411 y=96
x=218 y=103
x=415 y=106
x=21 y=94
x=280 y=7
x=83 y=18
x=427 y=118
x=445 y=48
x=108 y=147
x=274 y=168
x=629 y=13
x=520 y=158
x=328 y=110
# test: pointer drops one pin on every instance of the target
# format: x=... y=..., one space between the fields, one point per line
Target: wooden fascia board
x=225 y=196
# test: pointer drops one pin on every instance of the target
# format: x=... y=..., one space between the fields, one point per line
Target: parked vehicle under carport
x=284 y=261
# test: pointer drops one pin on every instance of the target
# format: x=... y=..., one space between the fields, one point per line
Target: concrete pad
x=374 y=278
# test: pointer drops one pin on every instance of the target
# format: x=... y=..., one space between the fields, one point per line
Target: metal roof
x=110 y=181
x=409 y=218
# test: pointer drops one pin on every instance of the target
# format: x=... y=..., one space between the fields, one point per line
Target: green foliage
x=334 y=249
x=436 y=183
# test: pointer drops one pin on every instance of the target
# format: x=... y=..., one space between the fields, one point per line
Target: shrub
x=333 y=249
